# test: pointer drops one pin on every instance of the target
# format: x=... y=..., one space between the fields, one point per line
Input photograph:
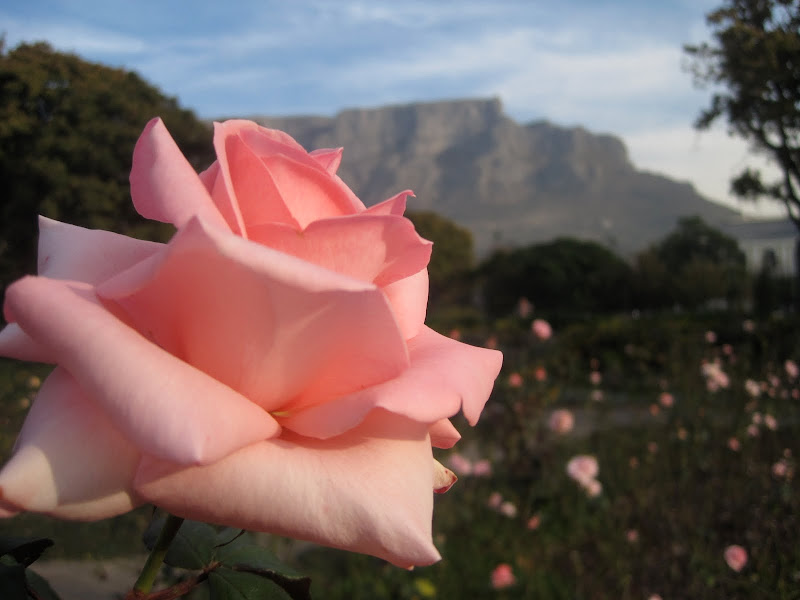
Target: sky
x=611 y=66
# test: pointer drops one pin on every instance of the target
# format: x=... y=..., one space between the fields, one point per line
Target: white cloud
x=708 y=159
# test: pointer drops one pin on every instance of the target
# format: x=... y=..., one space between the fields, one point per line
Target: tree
x=453 y=255
x=565 y=275
x=701 y=264
x=67 y=132
x=754 y=63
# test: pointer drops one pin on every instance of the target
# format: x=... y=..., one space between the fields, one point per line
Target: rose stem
x=151 y=568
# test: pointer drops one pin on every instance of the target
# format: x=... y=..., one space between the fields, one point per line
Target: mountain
x=509 y=183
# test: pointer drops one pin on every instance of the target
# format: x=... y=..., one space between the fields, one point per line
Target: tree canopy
x=690 y=266
x=67 y=132
x=565 y=275
x=753 y=65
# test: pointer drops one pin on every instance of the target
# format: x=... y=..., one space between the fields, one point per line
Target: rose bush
x=267 y=369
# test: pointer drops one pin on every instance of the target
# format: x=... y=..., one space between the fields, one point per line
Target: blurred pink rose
x=495 y=500
x=711 y=337
x=503 y=577
x=780 y=468
x=515 y=380
x=561 y=421
x=583 y=468
x=595 y=378
x=770 y=422
x=593 y=488
x=460 y=464
x=632 y=536
x=524 y=308
x=541 y=329
x=508 y=509
x=735 y=557
x=792 y=370
x=666 y=399
x=267 y=369
x=752 y=388
x=534 y=522
x=482 y=468
x=540 y=374
x=734 y=444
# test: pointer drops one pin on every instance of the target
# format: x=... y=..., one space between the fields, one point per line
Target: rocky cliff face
x=510 y=184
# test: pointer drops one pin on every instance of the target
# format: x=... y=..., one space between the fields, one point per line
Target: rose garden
x=267 y=370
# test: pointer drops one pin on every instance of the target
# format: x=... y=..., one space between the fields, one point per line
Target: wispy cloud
x=74 y=37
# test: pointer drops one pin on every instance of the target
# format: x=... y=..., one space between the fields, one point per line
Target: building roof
x=772 y=229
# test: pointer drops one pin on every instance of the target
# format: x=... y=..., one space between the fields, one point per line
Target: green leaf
x=250 y=558
x=227 y=584
x=24 y=550
x=193 y=547
x=12 y=582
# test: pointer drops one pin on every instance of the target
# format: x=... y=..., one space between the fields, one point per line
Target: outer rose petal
x=319 y=334
x=443 y=434
x=396 y=205
x=164 y=186
x=328 y=158
x=444 y=376
x=15 y=343
x=409 y=300
x=88 y=255
x=160 y=403
x=379 y=249
x=69 y=460
x=368 y=490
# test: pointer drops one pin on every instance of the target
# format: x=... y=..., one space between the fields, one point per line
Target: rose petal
x=245 y=192
x=69 y=460
x=443 y=434
x=89 y=255
x=409 y=300
x=329 y=158
x=378 y=249
x=164 y=186
x=367 y=491
x=396 y=205
x=15 y=343
x=159 y=402
x=443 y=377
x=443 y=478
x=281 y=331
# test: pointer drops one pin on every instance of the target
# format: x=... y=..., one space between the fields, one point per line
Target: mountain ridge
x=510 y=184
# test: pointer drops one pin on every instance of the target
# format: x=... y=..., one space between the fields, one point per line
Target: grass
x=674 y=492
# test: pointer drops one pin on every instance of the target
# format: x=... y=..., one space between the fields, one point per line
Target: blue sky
x=612 y=66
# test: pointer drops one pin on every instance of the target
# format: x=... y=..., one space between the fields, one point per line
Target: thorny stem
x=152 y=566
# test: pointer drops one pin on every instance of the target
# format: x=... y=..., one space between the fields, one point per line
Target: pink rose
x=583 y=468
x=541 y=329
x=267 y=369
x=561 y=421
x=735 y=557
x=503 y=576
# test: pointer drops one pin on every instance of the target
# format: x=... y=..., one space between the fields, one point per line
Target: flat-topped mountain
x=510 y=184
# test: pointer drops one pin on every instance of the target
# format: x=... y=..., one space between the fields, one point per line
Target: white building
x=756 y=238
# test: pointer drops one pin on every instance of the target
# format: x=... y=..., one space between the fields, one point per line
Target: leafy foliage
x=699 y=264
x=234 y=567
x=754 y=63
x=453 y=258
x=564 y=275
x=67 y=132
x=16 y=582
